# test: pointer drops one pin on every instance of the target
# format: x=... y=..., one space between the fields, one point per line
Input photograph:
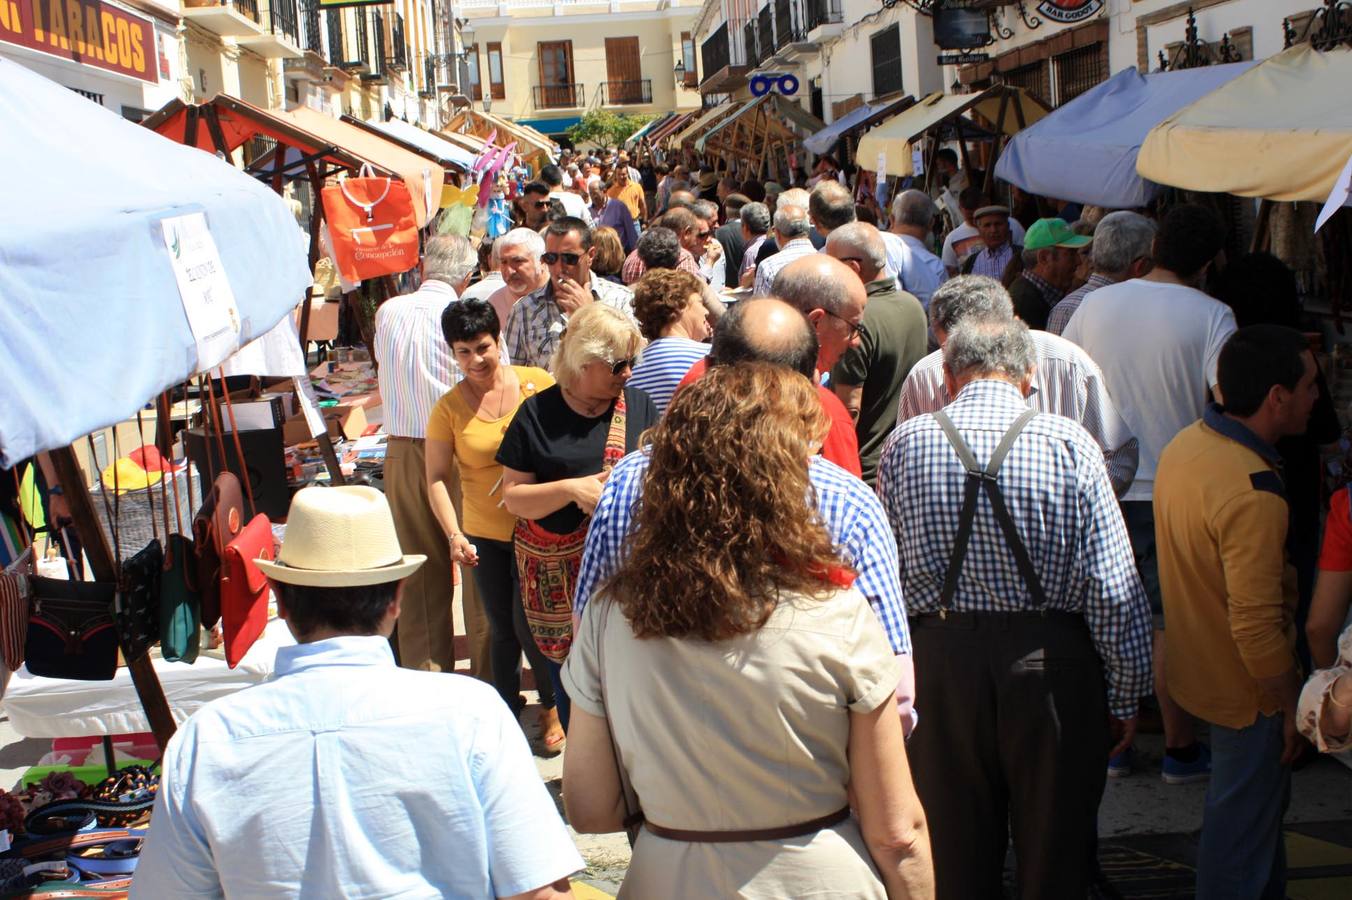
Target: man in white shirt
x=573 y=204
x=490 y=278
x=415 y=370
x=1157 y=339
x=965 y=240
x=344 y=775
x=919 y=271
x=712 y=262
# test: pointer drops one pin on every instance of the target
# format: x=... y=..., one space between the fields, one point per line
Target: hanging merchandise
x=371 y=225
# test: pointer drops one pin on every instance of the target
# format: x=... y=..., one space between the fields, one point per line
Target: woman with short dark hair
x=465 y=429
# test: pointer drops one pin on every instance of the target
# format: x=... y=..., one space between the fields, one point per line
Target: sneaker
x=1175 y=772
x=1119 y=765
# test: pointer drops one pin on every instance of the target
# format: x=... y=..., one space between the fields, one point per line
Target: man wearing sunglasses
x=535 y=204
x=537 y=321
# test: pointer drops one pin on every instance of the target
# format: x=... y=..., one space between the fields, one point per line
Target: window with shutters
x=886 y=47
x=624 y=72
x=688 y=60
x=499 y=91
x=556 y=88
x=476 y=91
x=1079 y=70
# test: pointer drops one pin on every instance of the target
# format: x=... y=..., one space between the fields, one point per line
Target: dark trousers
x=500 y=590
x=1013 y=732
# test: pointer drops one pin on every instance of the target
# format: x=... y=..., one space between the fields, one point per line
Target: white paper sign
x=882 y=164
x=917 y=160
x=204 y=288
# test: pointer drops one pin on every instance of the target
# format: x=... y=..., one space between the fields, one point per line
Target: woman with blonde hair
x=732 y=678
x=555 y=456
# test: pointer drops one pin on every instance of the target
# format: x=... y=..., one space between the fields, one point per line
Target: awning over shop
x=225 y=123
x=647 y=127
x=696 y=126
x=532 y=146
x=1006 y=109
x=1281 y=131
x=671 y=126
x=1086 y=150
x=548 y=127
x=449 y=153
x=825 y=139
x=92 y=321
x=755 y=123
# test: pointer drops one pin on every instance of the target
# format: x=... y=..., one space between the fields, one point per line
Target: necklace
x=479 y=396
x=589 y=408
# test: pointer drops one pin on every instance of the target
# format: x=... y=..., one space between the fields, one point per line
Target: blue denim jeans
x=562 y=705
x=1241 y=853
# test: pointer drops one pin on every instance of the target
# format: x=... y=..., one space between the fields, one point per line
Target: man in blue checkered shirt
x=1031 y=628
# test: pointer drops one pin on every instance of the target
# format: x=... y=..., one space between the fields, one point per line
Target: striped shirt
x=415 y=365
x=1061 y=501
x=767 y=270
x=663 y=364
x=1066 y=382
x=1061 y=312
x=992 y=262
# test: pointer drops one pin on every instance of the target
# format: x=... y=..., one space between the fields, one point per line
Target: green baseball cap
x=1052 y=233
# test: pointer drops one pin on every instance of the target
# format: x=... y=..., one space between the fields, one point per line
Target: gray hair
x=706 y=210
x=1120 y=239
x=795 y=197
x=519 y=237
x=756 y=217
x=831 y=205
x=811 y=287
x=865 y=240
x=449 y=258
x=990 y=347
x=975 y=297
x=913 y=208
x=791 y=222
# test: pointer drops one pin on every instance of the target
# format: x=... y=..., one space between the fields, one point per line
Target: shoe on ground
x=1175 y=772
x=1119 y=765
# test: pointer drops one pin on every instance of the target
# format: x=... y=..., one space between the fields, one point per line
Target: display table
x=55 y=707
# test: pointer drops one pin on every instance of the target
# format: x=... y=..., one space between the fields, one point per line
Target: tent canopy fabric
x=894 y=137
x=737 y=111
x=449 y=153
x=1281 y=131
x=1086 y=150
x=647 y=127
x=824 y=140
x=692 y=128
x=91 y=321
x=530 y=144
x=671 y=126
x=763 y=120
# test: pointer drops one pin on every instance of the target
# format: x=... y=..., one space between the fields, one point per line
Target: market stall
x=450 y=156
x=535 y=149
x=859 y=119
x=1086 y=150
x=758 y=137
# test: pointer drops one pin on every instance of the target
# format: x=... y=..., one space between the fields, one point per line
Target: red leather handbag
x=244 y=589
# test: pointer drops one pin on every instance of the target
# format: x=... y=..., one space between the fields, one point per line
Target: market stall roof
x=470 y=142
x=530 y=143
x=692 y=128
x=755 y=121
x=826 y=138
x=92 y=320
x=1340 y=197
x=1086 y=150
x=414 y=138
x=306 y=132
x=671 y=126
x=1280 y=131
x=1006 y=108
x=647 y=127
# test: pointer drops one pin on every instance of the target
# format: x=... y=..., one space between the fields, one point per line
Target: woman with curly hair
x=731 y=676
x=669 y=306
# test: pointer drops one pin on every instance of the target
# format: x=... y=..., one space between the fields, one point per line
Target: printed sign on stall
x=83 y=31
x=204 y=288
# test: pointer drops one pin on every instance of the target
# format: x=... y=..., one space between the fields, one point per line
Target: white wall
x=848 y=66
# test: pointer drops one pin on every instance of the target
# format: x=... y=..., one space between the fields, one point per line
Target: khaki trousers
x=426 y=631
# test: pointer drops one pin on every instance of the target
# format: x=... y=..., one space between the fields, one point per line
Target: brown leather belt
x=761 y=834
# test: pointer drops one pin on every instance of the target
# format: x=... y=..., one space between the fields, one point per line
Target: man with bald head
x=770 y=330
x=894 y=337
x=831 y=295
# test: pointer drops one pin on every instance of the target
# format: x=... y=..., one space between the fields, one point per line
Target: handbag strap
x=239 y=448
x=212 y=425
x=369 y=208
x=614 y=451
x=150 y=490
x=115 y=509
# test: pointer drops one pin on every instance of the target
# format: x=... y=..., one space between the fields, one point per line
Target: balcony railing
x=379 y=67
x=283 y=20
x=339 y=55
x=248 y=8
x=558 y=96
x=823 y=12
x=765 y=34
x=312 y=34
x=788 y=23
x=398 y=44
x=723 y=49
x=622 y=93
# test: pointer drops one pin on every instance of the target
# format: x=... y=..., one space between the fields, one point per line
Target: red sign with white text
x=83 y=31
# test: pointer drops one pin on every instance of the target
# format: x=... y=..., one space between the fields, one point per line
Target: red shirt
x=1337 y=553
x=842 y=443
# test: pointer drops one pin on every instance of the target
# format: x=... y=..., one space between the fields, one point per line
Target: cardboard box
x=343 y=420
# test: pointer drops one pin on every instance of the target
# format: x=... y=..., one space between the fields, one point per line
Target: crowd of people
x=841 y=553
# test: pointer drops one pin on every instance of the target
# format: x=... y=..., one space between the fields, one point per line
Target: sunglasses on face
x=540 y=204
x=620 y=365
x=703 y=235
x=569 y=259
x=855 y=329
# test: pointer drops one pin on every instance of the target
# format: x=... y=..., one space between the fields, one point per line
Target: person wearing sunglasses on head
x=537 y=321
x=556 y=455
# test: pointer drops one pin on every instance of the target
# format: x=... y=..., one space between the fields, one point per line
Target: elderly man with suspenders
x=1031 y=628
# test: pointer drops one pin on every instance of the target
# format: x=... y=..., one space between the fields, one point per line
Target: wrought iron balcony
x=359 y=55
x=823 y=12
x=398 y=58
x=788 y=23
x=558 y=96
x=626 y=93
x=765 y=34
x=312 y=33
x=723 y=59
x=378 y=71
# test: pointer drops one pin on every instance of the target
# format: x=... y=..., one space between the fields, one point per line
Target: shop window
x=1032 y=78
x=469 y=73
x=886 y=47
x=496 y=87
x=1079 y=70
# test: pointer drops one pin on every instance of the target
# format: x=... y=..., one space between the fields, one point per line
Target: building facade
x=546 y=63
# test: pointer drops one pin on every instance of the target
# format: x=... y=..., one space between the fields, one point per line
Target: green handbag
x=180 y=602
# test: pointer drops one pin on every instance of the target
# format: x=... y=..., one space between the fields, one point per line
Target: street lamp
x=679 y=72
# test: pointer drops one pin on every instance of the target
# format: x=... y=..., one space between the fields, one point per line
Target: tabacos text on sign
x=83 y=31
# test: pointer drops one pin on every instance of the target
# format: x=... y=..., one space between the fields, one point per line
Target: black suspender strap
x=977 y=480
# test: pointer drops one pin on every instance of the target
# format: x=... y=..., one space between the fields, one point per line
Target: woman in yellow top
x=465 y=429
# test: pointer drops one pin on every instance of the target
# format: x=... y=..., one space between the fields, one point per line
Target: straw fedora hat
x=340 y=537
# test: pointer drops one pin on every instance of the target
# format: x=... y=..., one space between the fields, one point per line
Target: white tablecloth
x=55 y=707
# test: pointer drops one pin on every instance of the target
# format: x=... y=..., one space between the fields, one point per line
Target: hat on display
x=124 y=475
x=148 y=457
x=340 y=537
x=990 y=211
x=1053 y=233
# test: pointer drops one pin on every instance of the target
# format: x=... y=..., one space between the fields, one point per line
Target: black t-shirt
x=548 y=438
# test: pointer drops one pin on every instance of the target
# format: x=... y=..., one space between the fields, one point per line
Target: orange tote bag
x=371 y=226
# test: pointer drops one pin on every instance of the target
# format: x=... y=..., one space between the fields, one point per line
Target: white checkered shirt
x=1059 y=496
x=536 y=321
x=767 y=270
x=849 y=510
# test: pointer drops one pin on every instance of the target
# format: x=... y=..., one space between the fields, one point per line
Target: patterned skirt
x=548 y=564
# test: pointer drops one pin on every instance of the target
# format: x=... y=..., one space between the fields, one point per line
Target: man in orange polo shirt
x=630 y=193
x=1229 y=597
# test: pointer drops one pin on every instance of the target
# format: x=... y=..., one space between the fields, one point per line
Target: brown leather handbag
x=218 y=522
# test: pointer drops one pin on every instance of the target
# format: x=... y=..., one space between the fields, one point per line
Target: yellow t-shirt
x=631 y=196
x=476 y=443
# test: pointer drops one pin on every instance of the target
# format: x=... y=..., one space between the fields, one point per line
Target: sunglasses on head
x=569 y=259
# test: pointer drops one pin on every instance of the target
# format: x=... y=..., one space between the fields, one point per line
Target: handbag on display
x=371 y=225
x=136 y=607
x=70 y=630
x=244 y=589
x=180 y=602
x=16 y=592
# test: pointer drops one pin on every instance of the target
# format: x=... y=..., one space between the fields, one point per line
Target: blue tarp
x=824 y=140
x=91 y=321
x=1086 y=150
